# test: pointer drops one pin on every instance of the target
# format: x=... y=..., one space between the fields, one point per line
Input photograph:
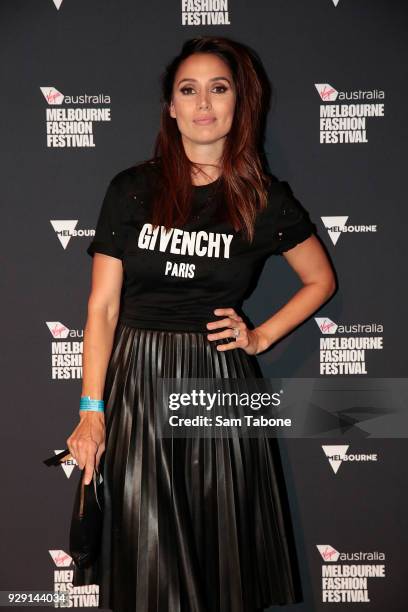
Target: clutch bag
x=87 y=514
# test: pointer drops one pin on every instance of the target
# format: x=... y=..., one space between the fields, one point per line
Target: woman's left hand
x=248 y=339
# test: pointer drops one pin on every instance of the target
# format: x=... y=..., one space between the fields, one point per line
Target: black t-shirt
x=174 y=280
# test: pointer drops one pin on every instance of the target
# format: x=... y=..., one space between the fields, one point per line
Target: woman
x=194 y=525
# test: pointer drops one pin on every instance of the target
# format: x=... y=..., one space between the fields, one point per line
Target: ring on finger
x=235 y=331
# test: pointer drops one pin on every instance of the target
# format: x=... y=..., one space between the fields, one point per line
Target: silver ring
x=235 y=331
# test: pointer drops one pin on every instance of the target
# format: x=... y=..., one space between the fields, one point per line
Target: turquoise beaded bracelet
x=86 y=403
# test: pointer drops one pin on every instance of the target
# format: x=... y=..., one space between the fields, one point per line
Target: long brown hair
x=243 y=173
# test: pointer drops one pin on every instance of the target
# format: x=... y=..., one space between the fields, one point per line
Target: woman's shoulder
x=277 y=187
x=140 y=176
x=281 y=196
x=276 y=190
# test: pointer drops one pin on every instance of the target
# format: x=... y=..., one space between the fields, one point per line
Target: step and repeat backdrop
x=80 y=102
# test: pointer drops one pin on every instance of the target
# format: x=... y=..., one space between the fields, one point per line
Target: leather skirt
x=190 y=524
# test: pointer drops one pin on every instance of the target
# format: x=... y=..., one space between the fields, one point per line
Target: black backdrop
x=318 y=54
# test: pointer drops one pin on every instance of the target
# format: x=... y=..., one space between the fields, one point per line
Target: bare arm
x=103 y=312
x=87 y=441
x=311 y=264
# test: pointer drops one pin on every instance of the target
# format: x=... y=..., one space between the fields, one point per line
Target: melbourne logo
x=336 y=226
x=68 y=123
x=65 y=230
x=341 y=355
x=67 y=465
x=336 y=454
x=204 y=12
x=345 y=123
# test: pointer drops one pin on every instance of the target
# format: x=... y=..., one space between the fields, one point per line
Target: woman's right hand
x=87 y=442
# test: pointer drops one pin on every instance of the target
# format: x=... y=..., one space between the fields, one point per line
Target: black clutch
x=87 y=514
x=87 y=518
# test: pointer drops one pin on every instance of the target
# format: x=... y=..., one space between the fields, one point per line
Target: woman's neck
x=201 y=178
x=207 y=157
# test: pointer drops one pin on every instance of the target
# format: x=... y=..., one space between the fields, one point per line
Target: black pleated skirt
x=190 y=524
